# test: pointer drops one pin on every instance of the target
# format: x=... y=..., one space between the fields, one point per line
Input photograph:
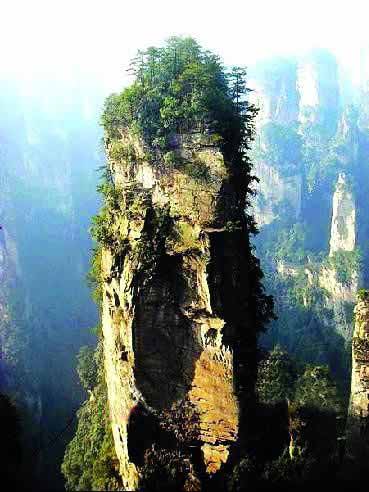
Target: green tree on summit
x=179 y=88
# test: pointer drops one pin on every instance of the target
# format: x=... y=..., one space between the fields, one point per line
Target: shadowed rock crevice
x=165 y=343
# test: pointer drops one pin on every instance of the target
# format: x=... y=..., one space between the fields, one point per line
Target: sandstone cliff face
x=170 y=287
x=16 y=379
x=275 y=191
x=343 y=228
x=308 y=87
x=316 y=190
x=342 y=239
x=318 y=87
x=358 y=437
x=290 y=93
x=275 y=93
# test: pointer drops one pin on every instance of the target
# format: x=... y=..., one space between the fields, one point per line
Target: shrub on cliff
x=363 y=295
x=90 y=462
x=87 y=367
x=180 y=88
x=276 y=377
x=346 y=264
x=308 y=418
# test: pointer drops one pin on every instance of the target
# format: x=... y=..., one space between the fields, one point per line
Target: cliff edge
x=181 y=299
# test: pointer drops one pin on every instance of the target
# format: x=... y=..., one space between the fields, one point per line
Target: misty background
x=59 y=61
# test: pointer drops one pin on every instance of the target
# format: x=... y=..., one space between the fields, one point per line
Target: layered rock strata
x=175 y=280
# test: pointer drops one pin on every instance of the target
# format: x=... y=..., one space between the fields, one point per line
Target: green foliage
x=11 y=442
x=87 y=367
x=165 y=469
x=290 y=245
x=281 y=378
x=164 y=461
x=171 y=158
x=183 y=238
x=297 y=472
x=345 y=264
x=244 y=475
x=283 y=470
x=276 y=377
x=90 y=462
x=195 y=168
x=122 y=152
x=198 y=171
x=94 y=278
x=315 y=388
x=102 y=224
x=363 y=294
x=324 y=157
x=298 y=407
x=180 y=88
x=101 y=228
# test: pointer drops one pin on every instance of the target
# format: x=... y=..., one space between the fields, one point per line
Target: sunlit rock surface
x=343 y=228
x=358 y=429
x=167 y=277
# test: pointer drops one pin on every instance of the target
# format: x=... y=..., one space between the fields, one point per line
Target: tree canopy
x=178 y=88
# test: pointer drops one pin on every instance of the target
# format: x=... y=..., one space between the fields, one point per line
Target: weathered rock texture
x=342 y=238
x=343 y=229
x=358 y=429
x=346 y=226
x=174 y=281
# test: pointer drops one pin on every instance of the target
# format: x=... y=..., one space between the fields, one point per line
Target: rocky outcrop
x=358 y=418
x=171 y=310
x=343 y=228
x=318 y=87
x=342 y=293
x=274 y=193
x=275 y=91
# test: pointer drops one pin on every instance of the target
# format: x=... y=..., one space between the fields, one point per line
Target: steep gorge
x=310 y=159
x=48 y=159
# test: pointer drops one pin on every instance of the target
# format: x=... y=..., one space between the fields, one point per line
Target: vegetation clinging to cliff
x=90 y=462
x=180 y=88
x=346 y=264
x=182 y=102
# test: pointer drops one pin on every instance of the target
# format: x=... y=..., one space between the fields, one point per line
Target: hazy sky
x=43 y=37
